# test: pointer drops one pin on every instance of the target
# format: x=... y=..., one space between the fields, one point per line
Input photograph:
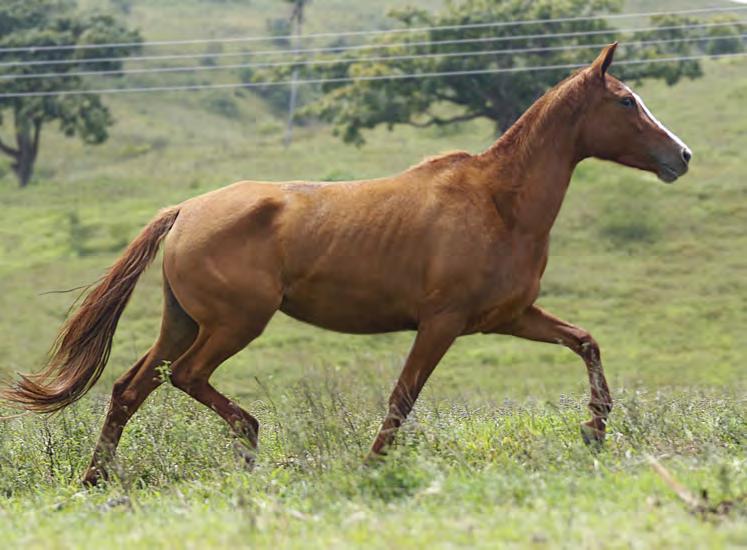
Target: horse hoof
x=92 y=478
x=374 y=459
x=591 y=435
x=246 y=455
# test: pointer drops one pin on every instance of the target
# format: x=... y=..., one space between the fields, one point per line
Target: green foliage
x=502 y=97
x=726 y=39
x=671 y=73
x=280 y=28
x=48 y=23
x=277 y=97
x=222 y=105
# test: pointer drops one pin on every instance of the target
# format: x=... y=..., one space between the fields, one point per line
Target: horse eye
x=627 y=102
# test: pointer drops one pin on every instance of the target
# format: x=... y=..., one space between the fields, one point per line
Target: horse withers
x=455 y=245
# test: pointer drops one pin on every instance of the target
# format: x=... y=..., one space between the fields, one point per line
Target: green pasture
x=492 y=457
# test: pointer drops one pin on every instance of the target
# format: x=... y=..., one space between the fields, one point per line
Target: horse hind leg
x=214 y=344
x=178 y=332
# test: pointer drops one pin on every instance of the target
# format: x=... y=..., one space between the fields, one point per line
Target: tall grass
x=177 y=460
x=326 y=423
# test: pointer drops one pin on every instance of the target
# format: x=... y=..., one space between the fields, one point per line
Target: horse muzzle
x=671 y=169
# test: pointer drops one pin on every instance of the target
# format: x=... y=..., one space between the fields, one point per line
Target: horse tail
x=82 y=347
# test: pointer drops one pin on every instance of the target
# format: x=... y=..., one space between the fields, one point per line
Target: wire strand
x=364 y=78
x=265 y=38
x=362 y=47
x=368 y=59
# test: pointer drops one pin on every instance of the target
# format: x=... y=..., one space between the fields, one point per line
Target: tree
x=282 y=100
x=728 y=38
x=296 y=22
x=500 y=97
x=46 y=23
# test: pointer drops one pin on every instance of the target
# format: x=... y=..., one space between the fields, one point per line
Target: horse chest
x=510 y=284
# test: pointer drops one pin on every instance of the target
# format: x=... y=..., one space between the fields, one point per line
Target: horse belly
x=348 y=307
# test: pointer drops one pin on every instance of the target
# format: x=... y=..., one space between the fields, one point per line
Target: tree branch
x=9 y=150
x=445 y=97
x=437 y=121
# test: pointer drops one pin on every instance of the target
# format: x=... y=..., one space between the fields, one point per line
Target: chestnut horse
x=453 y=246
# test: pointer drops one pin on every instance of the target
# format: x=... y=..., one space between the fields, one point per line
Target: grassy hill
x=656 y=273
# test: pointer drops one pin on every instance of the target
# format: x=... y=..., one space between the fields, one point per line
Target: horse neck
x=529 y=168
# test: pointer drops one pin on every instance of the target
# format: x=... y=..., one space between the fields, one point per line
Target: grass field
x=492 y=456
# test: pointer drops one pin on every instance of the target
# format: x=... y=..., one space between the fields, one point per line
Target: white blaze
x=655 y=120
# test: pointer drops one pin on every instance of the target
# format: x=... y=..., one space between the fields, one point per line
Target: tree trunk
x=27 y=141
x=24 y=169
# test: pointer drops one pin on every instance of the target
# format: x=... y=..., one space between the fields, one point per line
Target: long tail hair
x=82 y=347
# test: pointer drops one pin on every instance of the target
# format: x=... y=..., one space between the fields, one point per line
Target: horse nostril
x=686 y=155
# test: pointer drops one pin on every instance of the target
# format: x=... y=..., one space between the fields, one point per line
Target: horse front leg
x=536 y=324
x=434 y=338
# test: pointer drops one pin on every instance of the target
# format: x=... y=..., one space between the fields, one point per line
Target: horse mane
x=442 y=160
x=567 y=96
x=516 y=144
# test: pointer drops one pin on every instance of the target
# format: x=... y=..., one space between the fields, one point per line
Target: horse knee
x=123 y=400
x=189 y=383
x=123 y=392
x=587 y=347
x=183 y=380
x=120 y=387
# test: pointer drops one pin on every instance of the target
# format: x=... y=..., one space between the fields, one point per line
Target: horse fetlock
x=600 y=409
x=250 y=426
x=593 y=431
x=94 y=475
x=395 y=418
x=384 y=439
x=247 y=431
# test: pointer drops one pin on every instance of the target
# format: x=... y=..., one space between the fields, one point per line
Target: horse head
x=618 y=126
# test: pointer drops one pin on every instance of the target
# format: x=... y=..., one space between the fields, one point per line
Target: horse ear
x=604 y=60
